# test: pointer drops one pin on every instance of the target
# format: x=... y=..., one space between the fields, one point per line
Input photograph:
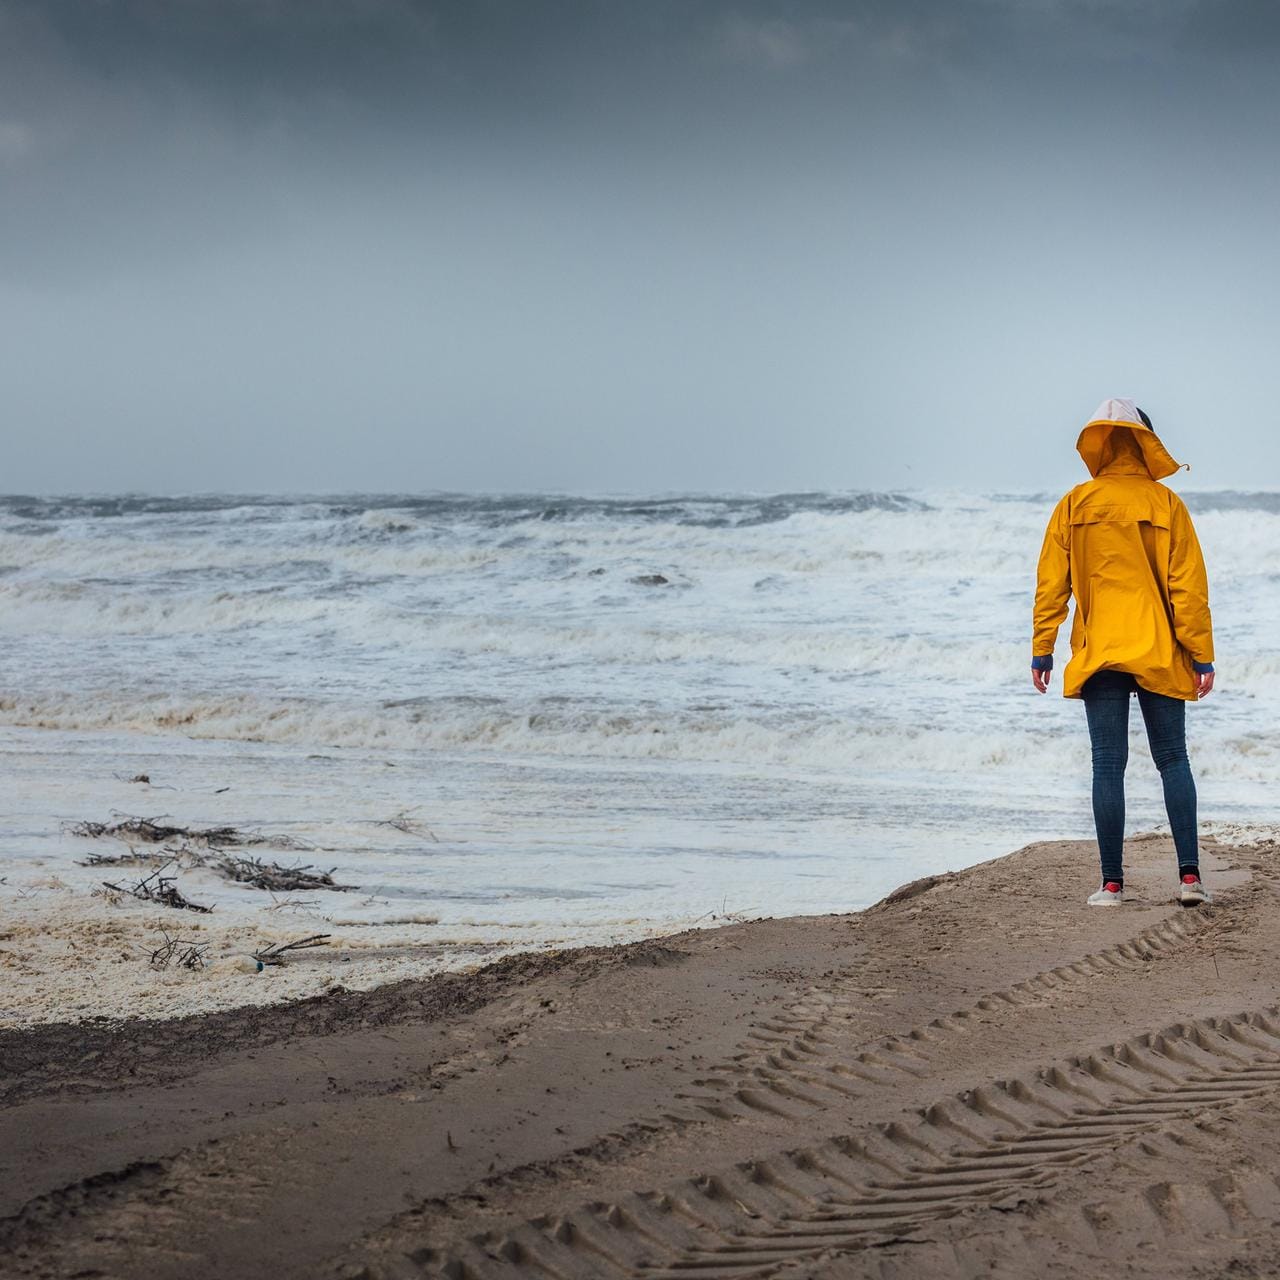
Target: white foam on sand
x=67 y=955
x=71 y=949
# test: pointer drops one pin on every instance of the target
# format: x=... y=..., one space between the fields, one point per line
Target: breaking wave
x=858 y=632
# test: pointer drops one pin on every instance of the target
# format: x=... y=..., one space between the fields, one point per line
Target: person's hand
x=1041 y=680
x=1204 y=684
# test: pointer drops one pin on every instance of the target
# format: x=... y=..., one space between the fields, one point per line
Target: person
x=1124 y=546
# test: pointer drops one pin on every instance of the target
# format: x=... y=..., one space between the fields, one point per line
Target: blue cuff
x=1203 y=668
x=1042 y=664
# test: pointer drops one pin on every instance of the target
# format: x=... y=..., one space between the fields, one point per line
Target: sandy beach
x=977 y=1076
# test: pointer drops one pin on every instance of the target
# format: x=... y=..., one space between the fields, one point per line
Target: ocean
x=595 y=718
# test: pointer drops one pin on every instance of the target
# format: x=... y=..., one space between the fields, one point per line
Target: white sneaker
x=1191 y=893
x=1110 y=895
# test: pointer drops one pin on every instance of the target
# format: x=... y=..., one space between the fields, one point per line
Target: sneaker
x=1110 y=895
x=1192 y=893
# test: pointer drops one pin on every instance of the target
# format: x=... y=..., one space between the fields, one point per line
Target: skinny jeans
x=1106 y=703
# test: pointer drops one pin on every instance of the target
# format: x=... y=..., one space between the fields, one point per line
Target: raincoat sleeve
x=1053 y=582
x=1189 y=588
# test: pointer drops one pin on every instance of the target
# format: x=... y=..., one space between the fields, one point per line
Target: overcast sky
x=658 y=245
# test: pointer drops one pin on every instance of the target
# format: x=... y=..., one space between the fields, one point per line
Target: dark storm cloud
x=1249 y=27
x=113 y=98
x=257 y=244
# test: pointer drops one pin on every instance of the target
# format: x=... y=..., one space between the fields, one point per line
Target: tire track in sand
x=798 y=1060
x=1192 y=1193
x=991 y=1145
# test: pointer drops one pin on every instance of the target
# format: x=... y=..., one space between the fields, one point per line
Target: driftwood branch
x=411 y=826
x=158 y=831
x=206 y=847
x=274 y=953
x=186 y=953
x=203 y=847
x=272 y=876
x=160 y=888
x=292 y=904
x=133 y=858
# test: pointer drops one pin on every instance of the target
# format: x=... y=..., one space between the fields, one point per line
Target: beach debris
x=275 y=953
x=208 y=847
x=133 y=858
x=304 y=905
x=157 y=831
x=406 y=822
x=272 y=876
x=185 y=953
x=145 y=779
x=739 y=916
x=157 y=887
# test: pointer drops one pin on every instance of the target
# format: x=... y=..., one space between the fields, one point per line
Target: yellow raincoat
x=1124 y=546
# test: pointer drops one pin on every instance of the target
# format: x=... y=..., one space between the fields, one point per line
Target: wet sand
x=976 y=1077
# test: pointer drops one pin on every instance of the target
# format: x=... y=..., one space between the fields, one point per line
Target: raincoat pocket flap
x=1137 y=513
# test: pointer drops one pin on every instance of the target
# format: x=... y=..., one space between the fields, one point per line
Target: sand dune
x=976 y=1077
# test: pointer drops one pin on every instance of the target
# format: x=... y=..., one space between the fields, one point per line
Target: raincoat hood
x=1098 y=450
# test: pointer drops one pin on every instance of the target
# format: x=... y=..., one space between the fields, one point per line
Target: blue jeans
x=1106 y=703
